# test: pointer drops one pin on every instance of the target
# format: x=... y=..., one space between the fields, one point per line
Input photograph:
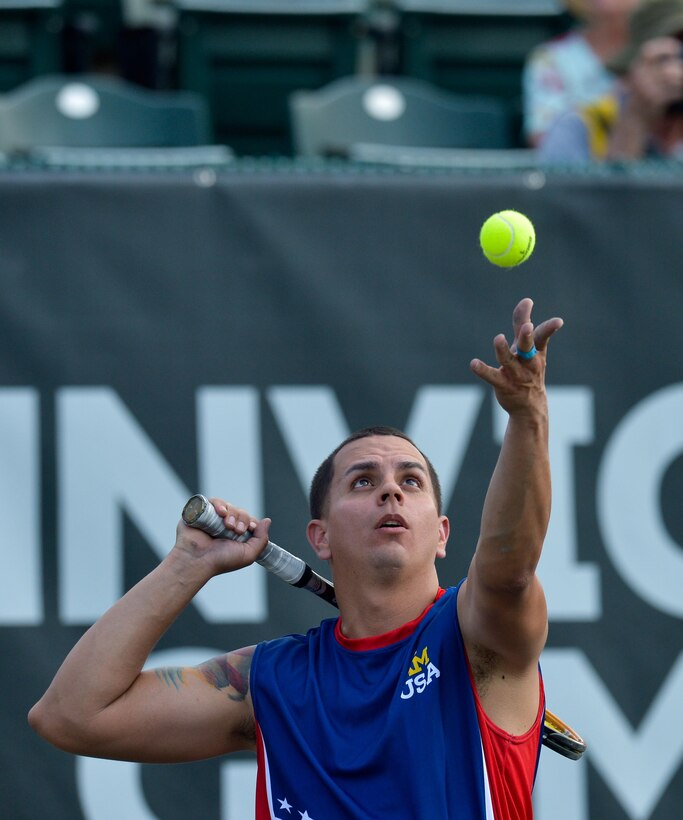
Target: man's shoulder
x=298 y=639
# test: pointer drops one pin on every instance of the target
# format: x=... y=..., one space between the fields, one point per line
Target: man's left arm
x=502 y=606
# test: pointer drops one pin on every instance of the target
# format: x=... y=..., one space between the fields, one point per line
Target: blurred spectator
x=643 y=116
x=148 y=42
x=134 y=39
x=570 y=70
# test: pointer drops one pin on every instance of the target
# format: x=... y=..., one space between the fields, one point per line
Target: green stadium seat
x=30 y=40
x=247 y=57
x=90 y=111
x=393 y=111
x=476 y=46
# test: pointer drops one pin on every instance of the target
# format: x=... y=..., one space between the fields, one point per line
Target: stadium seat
x=393 y=111
x=476 y=46
x=97 y=111
x=247 y=56
x=30 y=40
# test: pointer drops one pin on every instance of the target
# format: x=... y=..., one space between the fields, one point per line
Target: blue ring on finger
x=526 y=355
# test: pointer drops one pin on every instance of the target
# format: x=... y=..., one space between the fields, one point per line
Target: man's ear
x=316 y=532
x=444 y=532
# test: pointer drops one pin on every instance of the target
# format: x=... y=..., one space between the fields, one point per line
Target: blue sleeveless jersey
x=379 y=734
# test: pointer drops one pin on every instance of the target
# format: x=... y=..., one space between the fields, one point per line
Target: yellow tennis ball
x=507 y=238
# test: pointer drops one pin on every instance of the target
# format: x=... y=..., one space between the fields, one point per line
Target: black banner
x=164 y=334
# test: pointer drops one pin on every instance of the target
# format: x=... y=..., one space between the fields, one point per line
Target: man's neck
x=369 y=611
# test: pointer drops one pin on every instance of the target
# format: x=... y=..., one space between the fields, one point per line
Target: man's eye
x=361 y=482
x=413 y=481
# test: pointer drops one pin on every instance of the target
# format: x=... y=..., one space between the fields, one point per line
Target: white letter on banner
x=572 y=588
x=238 y=789
x=312 y=425
x=642 y=447
x=111 y=788
x=107 y=465
x=230 y=466
x=637 y=765
x=440 y=423
x=561 y=790
x=21 y=590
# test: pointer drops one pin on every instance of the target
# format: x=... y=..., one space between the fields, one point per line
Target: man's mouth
x=389 y=522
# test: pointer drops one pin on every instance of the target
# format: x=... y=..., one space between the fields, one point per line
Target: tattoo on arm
x=228 y=672
x=225 y=672
x=171 y=676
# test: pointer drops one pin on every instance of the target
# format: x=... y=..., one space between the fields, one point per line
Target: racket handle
x=200 y=513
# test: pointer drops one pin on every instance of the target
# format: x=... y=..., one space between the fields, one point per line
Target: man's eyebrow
x=411 y=465
x=362 y=466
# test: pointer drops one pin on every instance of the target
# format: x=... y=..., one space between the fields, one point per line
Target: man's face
x=381 y=511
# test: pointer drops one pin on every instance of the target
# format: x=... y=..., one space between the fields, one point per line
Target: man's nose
x=391 y=490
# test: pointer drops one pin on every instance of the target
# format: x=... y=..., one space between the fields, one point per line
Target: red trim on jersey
x=511 y=760
x=386 y=638
x=262 y=810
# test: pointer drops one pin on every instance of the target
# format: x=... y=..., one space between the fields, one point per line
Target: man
x=643 y=118
x=417 y=702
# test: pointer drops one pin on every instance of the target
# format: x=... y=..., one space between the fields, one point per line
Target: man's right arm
x=102 y=704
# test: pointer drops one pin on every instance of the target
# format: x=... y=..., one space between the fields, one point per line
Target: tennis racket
x=561 y=738
x=200 y=513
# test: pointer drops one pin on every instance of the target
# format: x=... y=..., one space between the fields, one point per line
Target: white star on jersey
x=285 y=805
x=305 y=816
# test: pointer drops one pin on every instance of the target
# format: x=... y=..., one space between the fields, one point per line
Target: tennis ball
x=507 y=238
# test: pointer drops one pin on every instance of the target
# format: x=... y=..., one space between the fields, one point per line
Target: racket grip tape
x=200 y=513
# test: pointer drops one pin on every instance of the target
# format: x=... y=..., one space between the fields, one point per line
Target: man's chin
x=390 y=556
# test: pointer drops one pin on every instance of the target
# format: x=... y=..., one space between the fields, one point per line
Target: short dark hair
x=320 y=486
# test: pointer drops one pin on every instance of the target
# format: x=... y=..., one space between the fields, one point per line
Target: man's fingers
x=262 y=528
x=525 y=338
x=522 y=311
x=491 y=375
x=235 y=518
x=481 y=369
x=521 y=314
x=504 y=354
x=259 y=538
x=545 y=330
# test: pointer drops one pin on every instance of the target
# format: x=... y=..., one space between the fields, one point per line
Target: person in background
x=571 y=70
x=643 y=117
x=147 y=43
